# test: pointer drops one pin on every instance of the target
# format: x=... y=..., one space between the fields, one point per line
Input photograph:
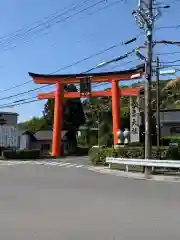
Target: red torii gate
x=115 y=92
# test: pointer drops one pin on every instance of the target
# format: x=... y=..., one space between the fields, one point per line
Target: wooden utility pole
x=144 y=16
x=148 y=83
x=158 y=127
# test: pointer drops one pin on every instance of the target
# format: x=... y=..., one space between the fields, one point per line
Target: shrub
x=173 y=153
x=98 y=155
x=21 y=154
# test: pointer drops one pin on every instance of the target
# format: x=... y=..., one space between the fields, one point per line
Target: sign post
x=134 y=119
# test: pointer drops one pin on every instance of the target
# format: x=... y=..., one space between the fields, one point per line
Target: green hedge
x=21 y=154
x=98 y=155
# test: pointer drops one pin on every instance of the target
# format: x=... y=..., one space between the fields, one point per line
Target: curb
x=135 y=176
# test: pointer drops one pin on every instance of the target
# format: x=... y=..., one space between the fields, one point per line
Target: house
x=8 y=118
x=8 y=130
x=170 y=122
x=43 y=140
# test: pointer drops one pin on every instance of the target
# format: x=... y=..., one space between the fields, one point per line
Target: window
x=45 y=147
x=175 y=130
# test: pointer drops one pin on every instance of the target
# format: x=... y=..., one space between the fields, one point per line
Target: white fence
x=143 y=162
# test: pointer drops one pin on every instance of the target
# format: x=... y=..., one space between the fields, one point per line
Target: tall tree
x=73 y=114
x=98 y=113
x=34 y=125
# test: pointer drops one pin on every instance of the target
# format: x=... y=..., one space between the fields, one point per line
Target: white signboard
x=8 y=136
x=168 y=71
x=134 y=119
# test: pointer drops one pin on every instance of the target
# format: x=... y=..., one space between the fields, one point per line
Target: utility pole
x=158 y=127
x=145 y=18
x=148 y=85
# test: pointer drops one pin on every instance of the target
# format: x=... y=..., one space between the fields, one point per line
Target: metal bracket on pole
x=85 y=86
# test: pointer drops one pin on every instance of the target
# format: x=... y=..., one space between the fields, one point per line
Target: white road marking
x=55 y=164
x=38 y=163
x=44 y=163
x=51 y=163
x=71 y=165
x=7 y=164
x=65 y=164
x=60 y=164
x=79 y=166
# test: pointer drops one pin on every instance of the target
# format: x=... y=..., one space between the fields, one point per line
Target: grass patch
x=171 y=138
x=131 y=168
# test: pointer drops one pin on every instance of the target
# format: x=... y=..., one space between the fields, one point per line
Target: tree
x=73 y=114
x=98 y=113
x=34 y=125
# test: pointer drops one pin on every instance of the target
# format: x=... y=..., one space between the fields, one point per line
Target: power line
x=171 y=65
x=16 y=86
x=94 y=86
x=29 y=81
x=168 y=53
x=166 y=62
x=19 y=94
x=94 y=33
x=168 y=27
x=42 y=23
x=17 y=102
x=14 y=105
x=66 y=67
x=37 y=22
x=167 y=42
x=87 y=71
x=78 y=41
x=48 y=25
x=93 y=55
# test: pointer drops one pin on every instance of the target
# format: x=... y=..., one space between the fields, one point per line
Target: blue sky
x=69 y=41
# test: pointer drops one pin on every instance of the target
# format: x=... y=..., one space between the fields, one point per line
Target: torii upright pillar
x=58 y=120
x=115 y=109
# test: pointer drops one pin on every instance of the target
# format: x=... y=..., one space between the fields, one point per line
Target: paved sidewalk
x=134 y=175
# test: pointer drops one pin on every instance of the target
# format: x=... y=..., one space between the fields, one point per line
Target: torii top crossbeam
x=95 y=77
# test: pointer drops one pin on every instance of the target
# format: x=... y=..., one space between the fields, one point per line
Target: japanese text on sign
x=134 y=119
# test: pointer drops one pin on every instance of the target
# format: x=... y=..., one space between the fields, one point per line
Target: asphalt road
x=51 y=202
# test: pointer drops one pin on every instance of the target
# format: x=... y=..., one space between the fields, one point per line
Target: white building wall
x=8 y=136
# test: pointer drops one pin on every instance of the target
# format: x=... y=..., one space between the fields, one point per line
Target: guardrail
x=143 y=162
